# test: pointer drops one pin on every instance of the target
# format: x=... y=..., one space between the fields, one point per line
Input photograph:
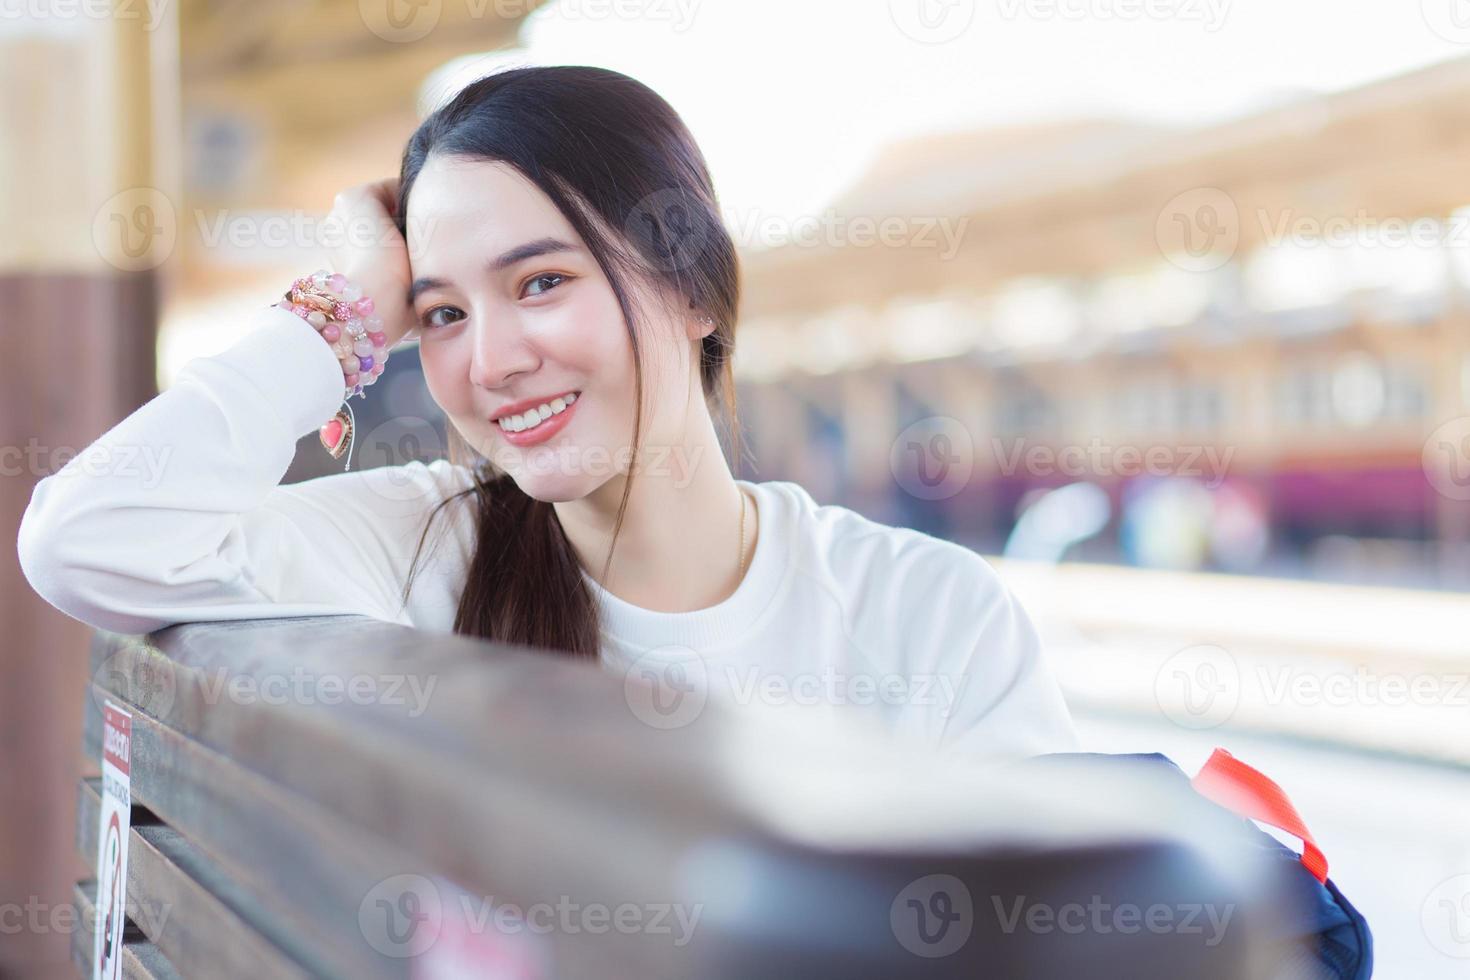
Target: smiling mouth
x=534 y=418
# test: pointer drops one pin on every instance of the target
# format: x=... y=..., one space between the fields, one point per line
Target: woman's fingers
x=373 y=253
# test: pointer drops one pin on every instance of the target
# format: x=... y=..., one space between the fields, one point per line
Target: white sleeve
x=176 y=514
x=1010 y=705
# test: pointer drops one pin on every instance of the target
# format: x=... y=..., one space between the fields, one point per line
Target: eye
x=544 y=277
x=427 y=320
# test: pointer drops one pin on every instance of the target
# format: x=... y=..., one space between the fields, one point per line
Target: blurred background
x=1164 y=306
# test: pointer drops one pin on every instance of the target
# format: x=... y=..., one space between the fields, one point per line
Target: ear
x=696 y=325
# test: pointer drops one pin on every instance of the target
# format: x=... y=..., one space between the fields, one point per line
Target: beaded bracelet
x=337 y=309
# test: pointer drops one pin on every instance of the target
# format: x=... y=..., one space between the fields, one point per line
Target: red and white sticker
x=112 y=842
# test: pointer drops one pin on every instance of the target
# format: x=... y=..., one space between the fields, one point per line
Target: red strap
x=1237 y=787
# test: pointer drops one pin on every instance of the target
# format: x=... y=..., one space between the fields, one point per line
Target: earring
x=707 y=319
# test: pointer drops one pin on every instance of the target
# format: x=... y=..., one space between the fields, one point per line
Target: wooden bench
x=338 y=796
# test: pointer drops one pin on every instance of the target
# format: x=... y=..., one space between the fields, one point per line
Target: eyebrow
x=541 y=246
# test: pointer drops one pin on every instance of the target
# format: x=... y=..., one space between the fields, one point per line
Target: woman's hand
x=370 y=251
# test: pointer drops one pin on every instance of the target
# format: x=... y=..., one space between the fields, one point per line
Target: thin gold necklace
x=742 y=531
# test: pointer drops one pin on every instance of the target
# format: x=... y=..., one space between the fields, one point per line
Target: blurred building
x=1272 y=309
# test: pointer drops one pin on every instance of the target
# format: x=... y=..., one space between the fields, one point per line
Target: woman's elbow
x=59 y=562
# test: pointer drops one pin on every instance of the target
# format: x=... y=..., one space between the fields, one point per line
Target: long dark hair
x=601 y=146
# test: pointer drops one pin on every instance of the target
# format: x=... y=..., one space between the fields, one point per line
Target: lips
x=526 y=404
x=543 y=430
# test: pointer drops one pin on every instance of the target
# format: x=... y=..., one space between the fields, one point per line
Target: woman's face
x=513 y=309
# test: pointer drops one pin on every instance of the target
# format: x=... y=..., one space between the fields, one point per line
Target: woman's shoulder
x=936 y=616
x=854 y=548
x=840 y=530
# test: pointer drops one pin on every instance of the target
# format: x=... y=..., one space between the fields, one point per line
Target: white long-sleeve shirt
x=177 y=514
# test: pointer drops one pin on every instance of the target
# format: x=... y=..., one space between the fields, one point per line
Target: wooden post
x=82 y=98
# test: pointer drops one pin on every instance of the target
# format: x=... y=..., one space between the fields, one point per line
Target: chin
x=551 y=484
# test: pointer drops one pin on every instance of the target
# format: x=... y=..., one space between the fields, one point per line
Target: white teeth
x=537 y=415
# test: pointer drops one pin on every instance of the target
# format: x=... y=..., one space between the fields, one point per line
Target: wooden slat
x=141 y=960
x=200 y=919
x=300 y=872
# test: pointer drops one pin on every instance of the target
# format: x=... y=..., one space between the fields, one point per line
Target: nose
x=499 y=352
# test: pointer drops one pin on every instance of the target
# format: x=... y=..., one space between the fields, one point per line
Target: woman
x=554 y=246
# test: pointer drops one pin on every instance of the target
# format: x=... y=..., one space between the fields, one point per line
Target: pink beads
x=337 y=309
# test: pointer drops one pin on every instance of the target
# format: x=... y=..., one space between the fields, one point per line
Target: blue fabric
x=1330 y=939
